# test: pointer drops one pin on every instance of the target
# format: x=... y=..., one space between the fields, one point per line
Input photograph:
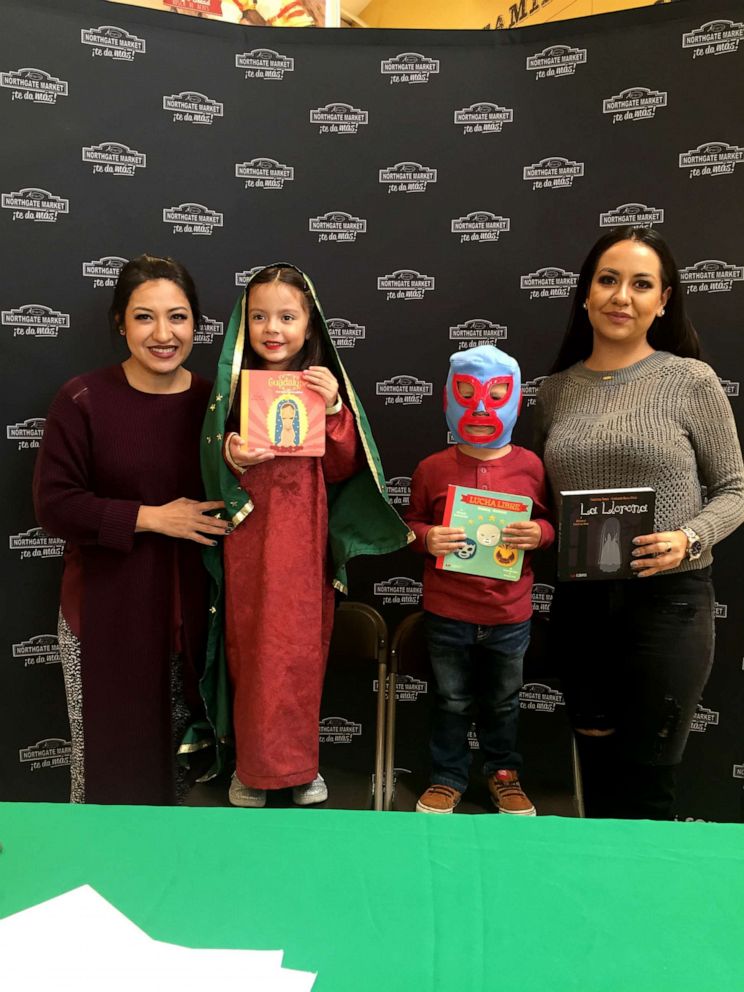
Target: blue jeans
x=478 y=675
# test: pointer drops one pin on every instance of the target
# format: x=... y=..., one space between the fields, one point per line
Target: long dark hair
x=672 y=332
x=145 y=268
x=313 y=351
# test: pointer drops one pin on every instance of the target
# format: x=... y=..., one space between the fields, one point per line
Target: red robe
x=132 y=599
x=279 y=609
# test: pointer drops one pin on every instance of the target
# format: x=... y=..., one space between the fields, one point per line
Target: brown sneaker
x=438 y=799
x=507 y=795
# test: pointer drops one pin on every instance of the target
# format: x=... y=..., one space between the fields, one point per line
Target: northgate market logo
x=537 y=696
x=479 y=225
x=337 y=225
x=264 y=63
x=483 y=118
x=345 y=333
x=338 y=730
x=207 y=331
x=714 y=38
x=632 y=213
x=553 y=173
x=399 y=591
x=192 y=108
x=409 y=67
x=192 y=218
x=50 y=753
x=529 y=396
x=113 y=159
x=244 y=277
x=338 y=118
x=403 y=389
x=399 y=490
x=27 y=434
x=549 y=283
x=111 y=42
x=407 y=688
x=477 y=331
x=730 y=388
x=711 y=276
x=104 y=271
x=34 y=85
x=634 y=104
x=35 y=321
x=405 y=284
x=40 y=650
x=713 y=158
x=36 y=543
x=703 y=719
x=542 y=594
x=407 y=177
x=264 y=173
x=556 y=60
x=35 y=204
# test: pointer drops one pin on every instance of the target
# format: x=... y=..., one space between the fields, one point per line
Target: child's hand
x=523 y=534
x=321 y=380
x=245 y=457
x=444 y=540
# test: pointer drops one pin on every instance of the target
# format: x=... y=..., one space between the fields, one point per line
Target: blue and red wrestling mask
x=482 y=396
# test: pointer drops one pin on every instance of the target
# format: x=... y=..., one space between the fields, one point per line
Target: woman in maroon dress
x=118 y=478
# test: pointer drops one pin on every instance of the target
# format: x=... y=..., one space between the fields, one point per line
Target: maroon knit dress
x=135 y=601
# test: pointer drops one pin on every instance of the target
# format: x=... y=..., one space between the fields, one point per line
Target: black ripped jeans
x=634 y=657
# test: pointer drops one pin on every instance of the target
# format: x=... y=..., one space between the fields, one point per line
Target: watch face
x=695 y=550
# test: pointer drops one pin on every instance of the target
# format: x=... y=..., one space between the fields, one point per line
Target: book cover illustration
x=279 y=413
x=483 y=515
x=596 y=531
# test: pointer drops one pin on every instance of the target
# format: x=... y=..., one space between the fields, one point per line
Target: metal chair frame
x=369 y=639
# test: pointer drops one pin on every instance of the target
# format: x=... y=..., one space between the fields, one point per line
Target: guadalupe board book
x=278 y=412
x=483 y=515
x=596 y=531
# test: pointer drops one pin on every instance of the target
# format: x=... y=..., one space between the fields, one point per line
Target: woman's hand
x=656 y=553
x=525 y=535
x=321 y=380
x=184 y=518
x=245 y=457
x=444 y=540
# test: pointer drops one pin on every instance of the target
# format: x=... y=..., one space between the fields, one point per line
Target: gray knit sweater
x=664 y=422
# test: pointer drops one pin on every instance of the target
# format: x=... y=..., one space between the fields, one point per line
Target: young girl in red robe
x=278 y=593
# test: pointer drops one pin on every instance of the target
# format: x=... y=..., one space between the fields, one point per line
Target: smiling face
x=626 y=294
x=278 y=324
x=159 y=329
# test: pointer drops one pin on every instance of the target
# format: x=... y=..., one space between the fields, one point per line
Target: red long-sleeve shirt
x=458 y=595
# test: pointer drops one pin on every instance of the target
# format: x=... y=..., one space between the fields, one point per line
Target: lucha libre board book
x=279 y=413
x=596 y=528
x=483 y=515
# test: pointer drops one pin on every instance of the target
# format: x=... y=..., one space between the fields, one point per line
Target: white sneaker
x=314 y=792
x=244 y=795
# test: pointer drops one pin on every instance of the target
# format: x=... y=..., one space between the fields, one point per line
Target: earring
x=585 y=305
x=662 y=312
x=122 y=331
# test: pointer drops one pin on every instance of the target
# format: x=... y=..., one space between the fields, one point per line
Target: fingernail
x=636 y=540
x=214 y=544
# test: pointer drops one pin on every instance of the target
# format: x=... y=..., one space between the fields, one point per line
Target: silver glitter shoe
x=244 y=795
x=314 y=792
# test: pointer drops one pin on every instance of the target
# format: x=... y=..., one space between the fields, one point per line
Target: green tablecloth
x=394 y=901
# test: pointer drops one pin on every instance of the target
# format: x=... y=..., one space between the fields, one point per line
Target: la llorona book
x=279 y=413
x=483 y=516
x=596 y=531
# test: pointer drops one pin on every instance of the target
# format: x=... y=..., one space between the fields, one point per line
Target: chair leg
x=578 y=788
x=380 y=736
x=390 y=740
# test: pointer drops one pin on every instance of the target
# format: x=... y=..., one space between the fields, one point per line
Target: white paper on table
x=76 y=938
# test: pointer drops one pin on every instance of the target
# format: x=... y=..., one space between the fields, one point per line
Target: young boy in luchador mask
x=477 y=628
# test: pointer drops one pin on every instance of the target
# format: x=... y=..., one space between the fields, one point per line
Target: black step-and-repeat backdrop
x=442 y=189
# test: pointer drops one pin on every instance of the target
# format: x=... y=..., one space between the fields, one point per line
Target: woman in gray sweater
x=630 y=405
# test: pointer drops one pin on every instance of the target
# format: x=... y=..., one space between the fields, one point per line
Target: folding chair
x=357 y=657
x=409 y=657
